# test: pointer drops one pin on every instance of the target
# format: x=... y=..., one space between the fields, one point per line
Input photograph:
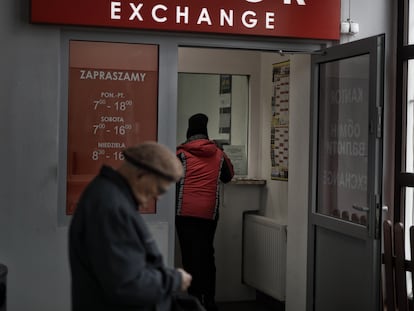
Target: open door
x=346 y=177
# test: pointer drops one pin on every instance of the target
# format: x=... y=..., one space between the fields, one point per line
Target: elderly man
x=115 y=263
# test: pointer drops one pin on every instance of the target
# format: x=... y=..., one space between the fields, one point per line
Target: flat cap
x=156 y=158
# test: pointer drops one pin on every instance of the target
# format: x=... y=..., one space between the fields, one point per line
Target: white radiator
x=264 y=255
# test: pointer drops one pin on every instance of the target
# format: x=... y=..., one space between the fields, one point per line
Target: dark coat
x=115 y=263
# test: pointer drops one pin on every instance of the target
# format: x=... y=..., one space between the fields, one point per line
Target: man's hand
x=185 y=279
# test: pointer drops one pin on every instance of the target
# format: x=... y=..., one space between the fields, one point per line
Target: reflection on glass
x=343 y=139
x=409 y=221
x=409 y=158
x=410 y=22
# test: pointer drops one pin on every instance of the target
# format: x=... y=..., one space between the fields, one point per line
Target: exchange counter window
x=224 y=98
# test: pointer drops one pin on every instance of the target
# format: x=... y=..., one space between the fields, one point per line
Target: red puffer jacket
x=205 y=165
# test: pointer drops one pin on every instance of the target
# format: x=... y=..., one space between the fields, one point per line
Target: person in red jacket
x=206 y=166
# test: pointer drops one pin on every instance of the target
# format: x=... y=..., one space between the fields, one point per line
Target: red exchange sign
x=312 y=19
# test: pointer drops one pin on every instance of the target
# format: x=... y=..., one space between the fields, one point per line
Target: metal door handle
x=360 y=208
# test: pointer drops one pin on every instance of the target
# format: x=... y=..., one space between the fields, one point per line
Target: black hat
x=197 y=124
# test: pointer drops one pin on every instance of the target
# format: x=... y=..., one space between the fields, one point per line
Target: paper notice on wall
x=237 y=155
x=279 y=131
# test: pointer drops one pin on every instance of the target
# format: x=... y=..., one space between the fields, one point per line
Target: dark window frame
x=405 y=53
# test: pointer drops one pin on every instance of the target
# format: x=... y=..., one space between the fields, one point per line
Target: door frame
x=375 y=47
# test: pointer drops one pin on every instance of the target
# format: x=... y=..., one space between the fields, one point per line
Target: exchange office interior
x=242 y=120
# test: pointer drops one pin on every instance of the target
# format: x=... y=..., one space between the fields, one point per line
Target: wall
x=33 y=239
x=298 y=183
x=32 y=245
x=275 y=200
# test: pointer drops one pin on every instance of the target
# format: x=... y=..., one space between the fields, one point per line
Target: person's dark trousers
x=196 y=237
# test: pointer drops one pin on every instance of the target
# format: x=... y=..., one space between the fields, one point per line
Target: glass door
x=346 y=171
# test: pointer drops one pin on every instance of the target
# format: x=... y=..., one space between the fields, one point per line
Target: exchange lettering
x=182 y=14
